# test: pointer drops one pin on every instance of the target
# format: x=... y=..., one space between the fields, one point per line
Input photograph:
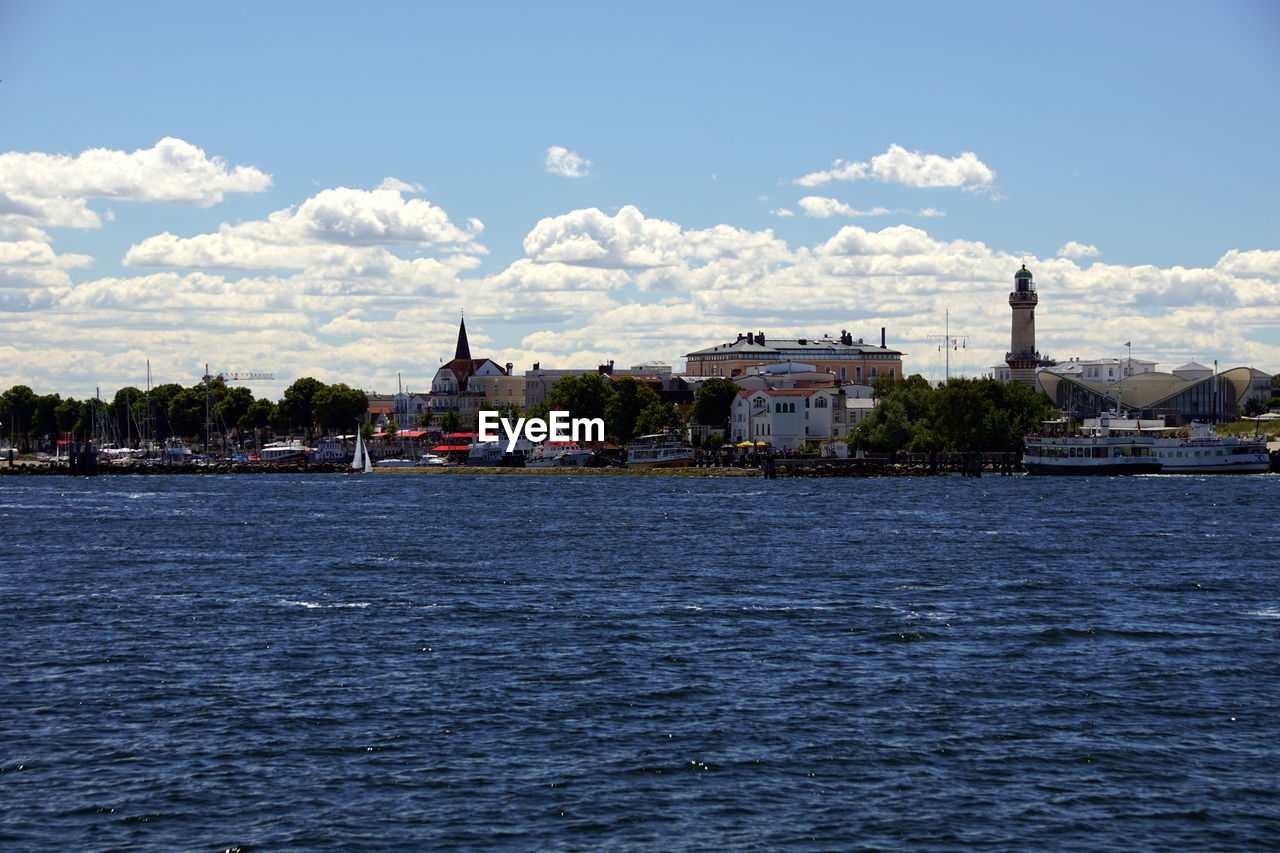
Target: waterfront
x=326 y=661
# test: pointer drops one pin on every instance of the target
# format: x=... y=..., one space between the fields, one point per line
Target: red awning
x=446 y=447
x=460 y=435
x=413 y=433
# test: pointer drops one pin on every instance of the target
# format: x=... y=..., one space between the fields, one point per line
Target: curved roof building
x=1153 y=395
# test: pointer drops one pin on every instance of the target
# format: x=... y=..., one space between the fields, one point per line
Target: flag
x=1128 y=344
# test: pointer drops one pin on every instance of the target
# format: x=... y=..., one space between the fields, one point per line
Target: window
x=821 y=403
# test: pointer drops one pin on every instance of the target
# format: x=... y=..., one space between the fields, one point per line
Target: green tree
x=20 y=406
x=126 y=412
x=392 y=429
x=424 y=419
x=68 y=414
x=584 y=396
x=234 y=407
x=43 y=423
x=297 y=404
x=366 y=430
x=450 y=421
x=161 y=397
x=624 y=402
x=713 y=401
x=658 y=416
x=339 y=407
x=257 y=416
x=185 y=413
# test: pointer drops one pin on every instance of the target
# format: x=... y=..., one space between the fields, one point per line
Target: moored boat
x=661 y=450
x=1203 y=451
x=558 y=454
x=1094 y=452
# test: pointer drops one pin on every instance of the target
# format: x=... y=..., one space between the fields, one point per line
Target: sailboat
x=361 y=463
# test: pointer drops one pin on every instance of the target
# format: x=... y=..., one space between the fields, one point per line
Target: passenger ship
x=1203 y=451
x=661 y=450
x=1097 y=451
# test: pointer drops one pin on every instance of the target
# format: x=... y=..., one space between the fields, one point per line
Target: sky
x=322 y=189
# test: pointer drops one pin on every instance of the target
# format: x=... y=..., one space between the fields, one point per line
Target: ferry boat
x=558 y=454
x=661 y=450
x=331 y=450
x=283 y=451
x=1096 y=451
x=1203 y=451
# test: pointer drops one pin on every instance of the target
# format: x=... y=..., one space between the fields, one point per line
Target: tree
x=258 y=415
x=20 y=405
x=625 y=400
x=392 y=429
x=185 y=412
x=297 y=405
x=233 y=407
x=126 y=411
x=68 y=414
x=339 y=407
x=161 y=397
x=582 y=396
x=451 y=421
x=424 y=419
x=43 y=422
x=658 y=416
x=712 y=403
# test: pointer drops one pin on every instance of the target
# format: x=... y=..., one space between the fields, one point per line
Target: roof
x=773 y=346
x=1145 y=390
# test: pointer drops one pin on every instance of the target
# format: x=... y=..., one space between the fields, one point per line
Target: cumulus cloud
x=821 y=207
x=330 y=227
x=400 y=186
x=1073 y=249
x=565 y=163
x=170 y=171
x=592 y=238
x=897 y=165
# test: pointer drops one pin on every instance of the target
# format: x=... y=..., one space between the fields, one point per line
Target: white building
x=787 y=419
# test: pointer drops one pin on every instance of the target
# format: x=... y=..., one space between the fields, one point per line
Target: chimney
x=536 y=365
x=882 y=337
x=508 y=368
x=760 y=338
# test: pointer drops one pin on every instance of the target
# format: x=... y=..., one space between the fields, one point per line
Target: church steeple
x=463 y=350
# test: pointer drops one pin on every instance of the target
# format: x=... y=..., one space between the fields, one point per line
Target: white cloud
x=400 y=186
x=821 y=207
x=565 y=163
x=171 y=171
x=1078 y=250
x=783 y=212
x=930 y=211
x=897 y=165
x=1251 y=263
x=338 y=226
x=592 y=238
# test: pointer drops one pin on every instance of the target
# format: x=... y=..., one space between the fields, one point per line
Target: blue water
x=558 y=663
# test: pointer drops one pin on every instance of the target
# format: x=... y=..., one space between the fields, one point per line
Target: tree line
x=174 y=411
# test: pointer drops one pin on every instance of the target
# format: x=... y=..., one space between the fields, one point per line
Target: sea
x=565 y=663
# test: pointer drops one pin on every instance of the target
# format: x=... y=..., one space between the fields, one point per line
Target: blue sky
x=1125 y=152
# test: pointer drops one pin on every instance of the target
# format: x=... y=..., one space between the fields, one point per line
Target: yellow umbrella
x=762 y=444
x=744 y=444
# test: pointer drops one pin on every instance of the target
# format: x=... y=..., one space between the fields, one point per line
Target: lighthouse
x=1022 y=357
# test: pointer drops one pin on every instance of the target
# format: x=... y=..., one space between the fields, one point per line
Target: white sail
x=361 y=461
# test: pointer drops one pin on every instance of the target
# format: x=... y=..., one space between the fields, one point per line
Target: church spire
x=463 y=350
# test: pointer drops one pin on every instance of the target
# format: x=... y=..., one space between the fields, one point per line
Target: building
x=1100 y=369
x=1022 y=358
x=1150 y=395
x=848 y=359
x=787 y=419
x=450 y=387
